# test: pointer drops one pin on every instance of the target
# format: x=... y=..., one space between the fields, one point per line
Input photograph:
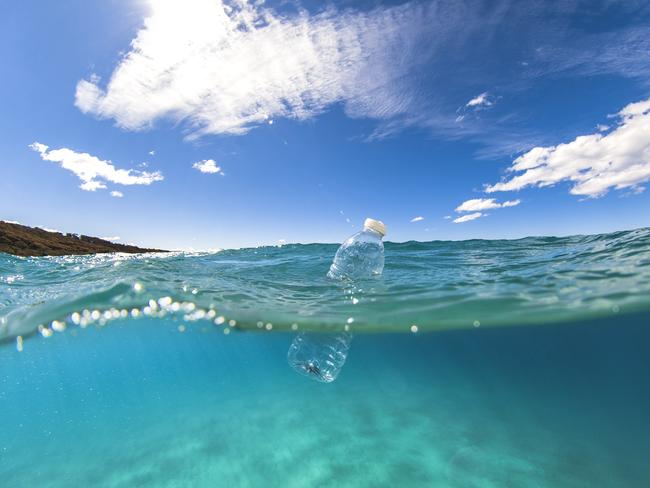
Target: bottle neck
x=373 y=232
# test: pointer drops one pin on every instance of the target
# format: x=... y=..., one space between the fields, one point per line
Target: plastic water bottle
x=362 y=255
x=322 y=356
x=319 y=356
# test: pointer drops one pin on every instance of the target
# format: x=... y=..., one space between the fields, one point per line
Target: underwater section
x=142 y=403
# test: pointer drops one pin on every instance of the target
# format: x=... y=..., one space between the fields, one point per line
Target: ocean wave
x=432 y=285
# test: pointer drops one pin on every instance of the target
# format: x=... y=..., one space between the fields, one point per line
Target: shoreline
x=21 y=240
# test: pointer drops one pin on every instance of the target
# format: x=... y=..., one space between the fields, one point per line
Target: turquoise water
x=171 y=370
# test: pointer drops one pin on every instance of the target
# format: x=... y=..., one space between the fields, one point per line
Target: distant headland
x=21 y=240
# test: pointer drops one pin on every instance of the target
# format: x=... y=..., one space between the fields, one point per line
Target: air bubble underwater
x=186 y=312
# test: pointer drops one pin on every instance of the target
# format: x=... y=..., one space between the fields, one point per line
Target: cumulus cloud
x=417 y=219
x=207 y=166
x=225 y=67
x=468 y=217
x=117 y=194
x=92 y=171
x=111 y=238
x=593 y=164
x=478 y=204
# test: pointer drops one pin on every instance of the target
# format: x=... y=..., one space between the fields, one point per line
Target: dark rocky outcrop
x=21 y=240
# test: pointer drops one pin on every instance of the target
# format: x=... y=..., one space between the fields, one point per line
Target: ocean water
x=472 y=364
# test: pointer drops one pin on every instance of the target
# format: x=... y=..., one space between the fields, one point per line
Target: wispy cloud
x=479 y=204
x=468 y=217
x=481 y=100
x=228 y=67
x=225 y=67
x=417 y=219
x=208 y=166
x=117 y=194
x=92 y=171
x=111 y=238
x=593 y=164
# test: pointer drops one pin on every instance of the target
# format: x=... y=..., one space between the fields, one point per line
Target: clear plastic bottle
x=322 y=356
x=362 y=255
x=319 y=356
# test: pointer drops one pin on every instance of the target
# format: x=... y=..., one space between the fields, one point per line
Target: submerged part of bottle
x=319 y=356
x=362 y=255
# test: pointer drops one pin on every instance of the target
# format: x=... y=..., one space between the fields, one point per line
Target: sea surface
x=484 y=363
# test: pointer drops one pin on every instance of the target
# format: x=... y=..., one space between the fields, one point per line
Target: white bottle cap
x=376 y=225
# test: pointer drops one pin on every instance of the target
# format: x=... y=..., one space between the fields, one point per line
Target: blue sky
x=206 y=124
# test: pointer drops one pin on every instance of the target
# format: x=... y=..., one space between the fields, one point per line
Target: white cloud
x=47 y=229
x=468 y=113
x=92 y=171
x=112 y=238
x=417 y=219
x=227 y=67
x=594 y=163
x=117 y=194
x=477 y=204
x=480 y=100
x=468 y=217
x=152 y=153
x=207 y=166
x=447 y=217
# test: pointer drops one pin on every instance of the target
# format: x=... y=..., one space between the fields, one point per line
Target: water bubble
x=476 y=323
x=414 y=328
x=57 y=326
x=182 y=328
x=45 y=332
